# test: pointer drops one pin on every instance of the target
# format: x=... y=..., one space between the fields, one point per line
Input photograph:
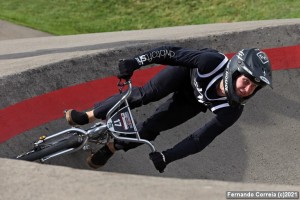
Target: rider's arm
x=205 y=59
x=178 y=56
x=205 y=135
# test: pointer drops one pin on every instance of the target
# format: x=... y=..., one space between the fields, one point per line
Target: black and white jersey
x=207 y=66
x=205 y=79
x=206 y=71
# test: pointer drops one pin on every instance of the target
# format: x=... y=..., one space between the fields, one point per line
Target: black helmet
x=252 y=63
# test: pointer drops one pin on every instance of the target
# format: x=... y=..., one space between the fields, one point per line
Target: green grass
x=63 y=17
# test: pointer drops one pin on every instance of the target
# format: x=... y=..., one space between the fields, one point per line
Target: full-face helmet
x=252 y=63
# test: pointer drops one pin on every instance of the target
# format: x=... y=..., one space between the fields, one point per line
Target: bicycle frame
x=117 y=113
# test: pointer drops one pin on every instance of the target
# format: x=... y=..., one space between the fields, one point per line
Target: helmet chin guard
x=252 y=63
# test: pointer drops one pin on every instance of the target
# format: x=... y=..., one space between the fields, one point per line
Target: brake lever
x=122 y=84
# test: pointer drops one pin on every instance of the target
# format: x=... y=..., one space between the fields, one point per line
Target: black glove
x=126 y=68
x=158 y=160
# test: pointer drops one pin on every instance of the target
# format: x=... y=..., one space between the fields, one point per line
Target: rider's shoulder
x=211 y=61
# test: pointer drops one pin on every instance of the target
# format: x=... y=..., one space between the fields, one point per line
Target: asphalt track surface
x=263 y=147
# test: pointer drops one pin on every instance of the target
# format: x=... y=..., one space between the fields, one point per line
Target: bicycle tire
x=70 y=142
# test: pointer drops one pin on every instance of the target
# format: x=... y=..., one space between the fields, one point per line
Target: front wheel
x=49 y=148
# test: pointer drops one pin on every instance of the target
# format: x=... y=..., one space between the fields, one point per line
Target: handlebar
x=123 y=99
x=117 y=106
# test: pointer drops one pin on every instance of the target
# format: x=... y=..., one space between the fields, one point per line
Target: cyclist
x=199 y=80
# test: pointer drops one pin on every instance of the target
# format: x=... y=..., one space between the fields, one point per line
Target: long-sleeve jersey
x=206 y=71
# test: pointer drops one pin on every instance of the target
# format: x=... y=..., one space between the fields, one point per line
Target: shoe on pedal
x=74 y=117
x=99 y=158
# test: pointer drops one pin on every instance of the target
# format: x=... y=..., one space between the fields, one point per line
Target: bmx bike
x=119 y=124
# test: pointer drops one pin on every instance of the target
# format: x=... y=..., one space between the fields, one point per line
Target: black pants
x=180 y=107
